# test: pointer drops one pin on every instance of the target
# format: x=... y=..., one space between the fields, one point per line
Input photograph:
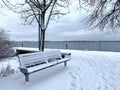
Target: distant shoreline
x=75 y=45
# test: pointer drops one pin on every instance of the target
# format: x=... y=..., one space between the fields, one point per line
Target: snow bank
x=87 y=70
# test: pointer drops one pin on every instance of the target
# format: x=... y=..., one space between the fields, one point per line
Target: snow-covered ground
x=87 y=70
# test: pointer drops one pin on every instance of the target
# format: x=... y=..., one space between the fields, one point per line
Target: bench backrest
x=32 y=58
x=53 y=54
x=38 y=57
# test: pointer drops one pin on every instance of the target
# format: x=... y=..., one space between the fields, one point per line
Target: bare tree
x=40 y=11
x=106 y=14
x=5 y=45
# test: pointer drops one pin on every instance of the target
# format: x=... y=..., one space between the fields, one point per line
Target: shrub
x=5 y=45
x=6 y=71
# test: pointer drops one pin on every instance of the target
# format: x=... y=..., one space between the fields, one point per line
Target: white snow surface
x=87 y=70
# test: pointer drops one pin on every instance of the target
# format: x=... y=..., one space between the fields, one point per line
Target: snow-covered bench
x=33 y=62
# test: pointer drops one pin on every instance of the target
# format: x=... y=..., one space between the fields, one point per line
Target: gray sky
x=70 y=27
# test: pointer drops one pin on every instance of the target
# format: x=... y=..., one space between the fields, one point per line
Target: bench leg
x=65 y=63
x=26 y=77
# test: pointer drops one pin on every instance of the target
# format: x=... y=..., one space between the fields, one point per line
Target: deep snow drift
x=87 y=70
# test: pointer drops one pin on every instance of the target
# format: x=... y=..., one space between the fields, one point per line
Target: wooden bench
x=33 y=62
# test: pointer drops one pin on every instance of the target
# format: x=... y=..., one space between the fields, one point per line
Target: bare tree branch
x=50 y=14
x=106 y=14
x=48 y=5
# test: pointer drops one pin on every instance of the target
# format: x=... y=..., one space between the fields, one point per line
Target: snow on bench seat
x=41 y=66
x=46 y=65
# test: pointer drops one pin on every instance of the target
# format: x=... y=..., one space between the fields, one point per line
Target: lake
x=75 y=45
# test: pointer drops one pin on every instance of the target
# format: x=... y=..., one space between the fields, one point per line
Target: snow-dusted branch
x=106 y=14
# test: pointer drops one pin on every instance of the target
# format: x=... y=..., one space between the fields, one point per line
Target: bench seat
x=42 y=66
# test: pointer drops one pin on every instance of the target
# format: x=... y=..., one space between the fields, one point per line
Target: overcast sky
x=73 y=26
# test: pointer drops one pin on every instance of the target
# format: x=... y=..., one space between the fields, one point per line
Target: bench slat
x=32 y=69
x=33 y=58
x=53 y=54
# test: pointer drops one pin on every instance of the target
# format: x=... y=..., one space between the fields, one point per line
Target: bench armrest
x=64 y=55
x=23 y=70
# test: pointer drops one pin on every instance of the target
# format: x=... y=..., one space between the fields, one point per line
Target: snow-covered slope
x=87 y=70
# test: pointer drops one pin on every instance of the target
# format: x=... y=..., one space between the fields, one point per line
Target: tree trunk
x=42 y=31
x=39 y=38
x=39 y=32
x=42 y=40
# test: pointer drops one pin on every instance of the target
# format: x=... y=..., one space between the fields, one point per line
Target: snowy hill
x=87 y=70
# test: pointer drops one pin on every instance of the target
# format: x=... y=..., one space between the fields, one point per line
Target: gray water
x=76 y=45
